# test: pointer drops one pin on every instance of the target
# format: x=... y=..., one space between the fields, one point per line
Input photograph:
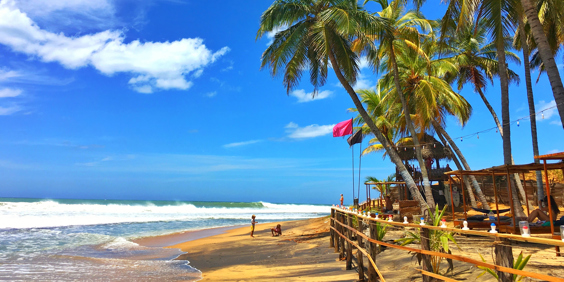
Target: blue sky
x=165 y=100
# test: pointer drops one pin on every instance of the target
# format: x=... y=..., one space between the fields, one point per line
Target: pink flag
x=343 y=128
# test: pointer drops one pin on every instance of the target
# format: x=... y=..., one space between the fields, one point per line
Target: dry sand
x=303 y=254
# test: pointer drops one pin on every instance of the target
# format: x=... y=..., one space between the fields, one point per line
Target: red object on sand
x=343 y=128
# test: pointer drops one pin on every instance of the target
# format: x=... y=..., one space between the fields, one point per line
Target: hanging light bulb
x=517 y=123
x=542 y=115
x=460 y=139
x=478 y=135
x=496 y=131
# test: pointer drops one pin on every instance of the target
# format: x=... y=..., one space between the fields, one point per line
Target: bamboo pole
x=463 y=197
x=495 y=197
x=451 y=200
x=547 y=185
x=359 y=253
x=510 y=198
x=526 y=195
x=331 y=233
x=349 y=245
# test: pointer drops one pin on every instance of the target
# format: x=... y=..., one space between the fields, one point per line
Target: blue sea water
x=92 y=239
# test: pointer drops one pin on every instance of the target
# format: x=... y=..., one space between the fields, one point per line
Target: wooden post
x=547 y=185
x=495 y=197
x=331 y=232
x=463 y=197
x=342 y=231
x=372 y=275
x=359 y=254
x=349 y=245
x=426 y=259
x=511 y=198
x=336 y=239
x=451 y=200
x=526 y=194
x=504 y=257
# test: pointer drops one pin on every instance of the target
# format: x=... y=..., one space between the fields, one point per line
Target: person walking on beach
x=253 y=221
x=342 y=198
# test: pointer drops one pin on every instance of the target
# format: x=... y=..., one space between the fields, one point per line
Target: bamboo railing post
x=526 y=194
x=331 y=232
x=342 y=240
x=349 y=245
x=425 y=259
x=372 y=275
x=359 y=254
x=451 y=200
x=504 y=257
x=336 y=238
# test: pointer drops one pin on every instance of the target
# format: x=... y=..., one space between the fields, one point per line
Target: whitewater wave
x=51 y=213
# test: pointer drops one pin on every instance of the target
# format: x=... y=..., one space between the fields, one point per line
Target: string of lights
x=477 y=133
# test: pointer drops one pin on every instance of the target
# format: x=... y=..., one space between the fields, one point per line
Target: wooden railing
x=342 y=231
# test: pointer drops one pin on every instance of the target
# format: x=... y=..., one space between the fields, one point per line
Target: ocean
x=57 y=239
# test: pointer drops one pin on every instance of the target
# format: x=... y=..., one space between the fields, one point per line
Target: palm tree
x=544 y=49
x=319 y=32
x=432 y=96
x=401 y=34
x=520 y=42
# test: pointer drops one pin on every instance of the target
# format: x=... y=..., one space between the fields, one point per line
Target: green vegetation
x=519 y=264
x=438 y=239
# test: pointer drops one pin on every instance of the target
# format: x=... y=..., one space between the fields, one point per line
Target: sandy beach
x=302 y=253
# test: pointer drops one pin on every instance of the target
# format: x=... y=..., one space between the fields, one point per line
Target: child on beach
x=276 y=231
x=253 y=225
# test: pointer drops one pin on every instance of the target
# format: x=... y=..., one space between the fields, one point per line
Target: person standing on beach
x=342 y=198
x=253 y=225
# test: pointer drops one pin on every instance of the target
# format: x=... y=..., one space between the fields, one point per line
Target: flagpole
x=352 y=154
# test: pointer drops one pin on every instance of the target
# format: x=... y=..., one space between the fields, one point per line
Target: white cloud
x=153 y=65
x=6 y=111
x=8 y=92
x=363 y=63
x=307 y=97
x=211 y=94
x=42 y=7
x=239 y=144
x=541 y=105
x=310 y=131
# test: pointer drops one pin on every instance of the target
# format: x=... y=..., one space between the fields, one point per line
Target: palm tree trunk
x=532 y=112
x=460 y=168
x=546 y=56
x=394 y=157
x=409 y=123
x=506 y=126
x=442 y=135
x=500 y=129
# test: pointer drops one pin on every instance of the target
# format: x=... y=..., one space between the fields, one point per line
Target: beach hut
x=431 y=149
x=506 y=170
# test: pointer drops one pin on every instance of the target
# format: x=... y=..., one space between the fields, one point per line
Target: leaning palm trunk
x=500 y=129
x=546 y=56
x=409 y=123
x=506 y=126
x=443 y=134
x=394 y=157
x=532 y=112
x=460 y=168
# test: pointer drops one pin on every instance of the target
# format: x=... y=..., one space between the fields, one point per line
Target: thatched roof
x=432 y=148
